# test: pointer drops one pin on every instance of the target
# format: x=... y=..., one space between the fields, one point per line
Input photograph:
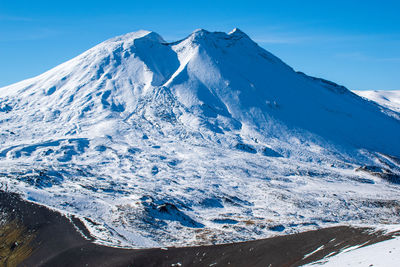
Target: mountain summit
x=203 y=140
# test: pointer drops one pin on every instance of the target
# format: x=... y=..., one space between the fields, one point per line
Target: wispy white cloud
x=284 y=35
x=353 y=56
x=279 y=39
x=35 y=34
x=14 y=18
x=359 y=56
x=390 y=59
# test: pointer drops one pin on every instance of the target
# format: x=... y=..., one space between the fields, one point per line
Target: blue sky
x=354 y=43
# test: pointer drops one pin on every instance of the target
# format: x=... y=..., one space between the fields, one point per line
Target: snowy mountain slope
x=389 y=99
x=205 y=140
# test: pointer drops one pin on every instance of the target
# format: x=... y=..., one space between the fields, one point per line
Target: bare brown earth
x=32 y=235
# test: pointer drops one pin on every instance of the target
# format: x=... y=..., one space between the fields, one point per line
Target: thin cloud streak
x=279 y=40
x=38 y=34
x=295 y=38
x=363 y=57
x=14 y=18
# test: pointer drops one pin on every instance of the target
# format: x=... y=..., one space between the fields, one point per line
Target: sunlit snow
x=209 y=139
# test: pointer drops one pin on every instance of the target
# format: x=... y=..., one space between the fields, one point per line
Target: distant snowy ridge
x=209 y=139
x=389 y=99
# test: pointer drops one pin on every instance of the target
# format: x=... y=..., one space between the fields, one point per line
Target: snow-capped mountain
x=205 y=140
x=389 y=99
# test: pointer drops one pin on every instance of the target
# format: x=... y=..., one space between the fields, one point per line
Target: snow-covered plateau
x=209 y=139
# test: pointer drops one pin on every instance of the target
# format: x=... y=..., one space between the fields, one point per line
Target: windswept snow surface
x=389 y=99
x=209 y=139
x=382 y=254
